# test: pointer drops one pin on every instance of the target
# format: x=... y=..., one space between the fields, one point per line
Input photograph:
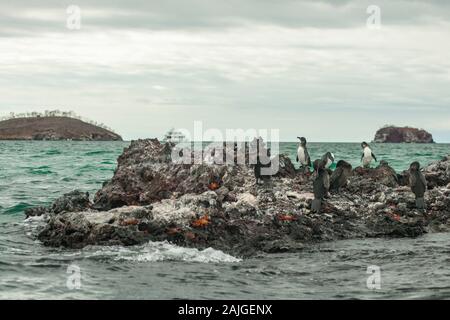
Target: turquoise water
x=36 y=173
x=399 y=156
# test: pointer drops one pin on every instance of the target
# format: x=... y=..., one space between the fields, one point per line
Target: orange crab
x=129 y=222
x=213 y=186
x=202 y=222
x=286 y=217
x=395 y=216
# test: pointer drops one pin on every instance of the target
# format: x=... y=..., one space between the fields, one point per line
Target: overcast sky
x=310 y=68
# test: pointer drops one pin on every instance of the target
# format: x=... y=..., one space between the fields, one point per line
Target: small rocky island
x=392 y=134
x=54 y=128
x=151 y=197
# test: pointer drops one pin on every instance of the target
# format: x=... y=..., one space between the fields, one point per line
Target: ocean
x=36 y=173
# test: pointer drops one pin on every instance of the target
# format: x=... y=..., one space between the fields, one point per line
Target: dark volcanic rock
x=383 y=174
x=78 y=229
x=53 y=128
x=36 y=211
x=401 y=135
x=220 y=206
x=70 y=202
x=438 y=173
x=145 y=173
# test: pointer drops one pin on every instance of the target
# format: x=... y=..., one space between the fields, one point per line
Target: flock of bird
x=326 y=180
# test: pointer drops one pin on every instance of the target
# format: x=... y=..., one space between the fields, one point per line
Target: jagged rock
x=386 y=225
x=36 y=211
x=438 y=173
x=147 y=174
x=69 y=202
x=72 y=201
x=220 y=206
x=287 y=168
x=79 y=229
x=383 y=174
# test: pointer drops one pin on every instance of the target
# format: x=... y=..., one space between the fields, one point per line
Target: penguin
x=328 y=159
x=258 y=164
x=303 y=155
x=210 y=157
x=418 y=184
x=321 y=185
x=339 y=178
x=261 y=151
x=266 y=177
x=367 y=155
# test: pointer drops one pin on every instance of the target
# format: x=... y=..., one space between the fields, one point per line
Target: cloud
x=23 y=17
x=144 y=66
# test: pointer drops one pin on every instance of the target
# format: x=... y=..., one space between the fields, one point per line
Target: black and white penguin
x=328 y=159
x=303 y=155
x=267 y=176
x=339 y=178
x=367 y=155
x=418 y=184
x=321 y=185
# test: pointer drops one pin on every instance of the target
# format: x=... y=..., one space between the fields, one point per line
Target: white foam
x=33 y=225
x=149 y=252
x=164 y=251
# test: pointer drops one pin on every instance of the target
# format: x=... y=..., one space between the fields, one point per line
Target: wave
x=148 y=252
x=163 y=251
x=42 y=170
x=160 y=251
x=53 y=152
x=18 y=208
x=97 y=152
x=107 y=162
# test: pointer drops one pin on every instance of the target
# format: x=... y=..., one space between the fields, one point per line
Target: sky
x=326 y=70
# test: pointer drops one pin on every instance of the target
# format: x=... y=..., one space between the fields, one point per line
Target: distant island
x=53 y=126
x=393 y=134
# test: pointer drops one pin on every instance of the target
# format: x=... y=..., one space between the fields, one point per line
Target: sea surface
x=36 y=173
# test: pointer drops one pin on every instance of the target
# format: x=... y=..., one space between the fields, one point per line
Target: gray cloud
x=144 y=66
x=49 y=15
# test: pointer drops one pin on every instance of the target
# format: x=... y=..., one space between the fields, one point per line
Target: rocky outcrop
x=146 y=174
x=383 y=174
x=220 y=206
x=54 y=128
x=438 y=173
x=402 y=135
x=70 y=202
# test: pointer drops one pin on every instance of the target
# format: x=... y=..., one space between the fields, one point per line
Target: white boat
x=174 y=136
